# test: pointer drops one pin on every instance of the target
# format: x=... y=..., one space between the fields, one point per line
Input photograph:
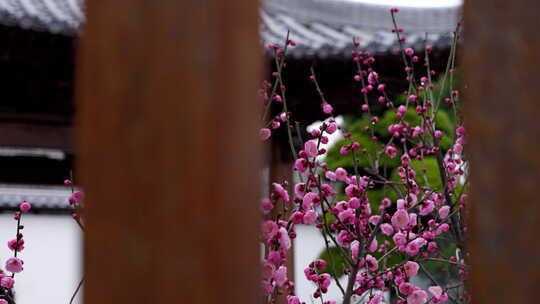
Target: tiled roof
x=55 y=16
x=41 y=197
x=321 y=27
x=326 y=28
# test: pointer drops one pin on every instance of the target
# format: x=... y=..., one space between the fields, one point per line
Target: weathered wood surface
x=168 y=148
x=502 y=64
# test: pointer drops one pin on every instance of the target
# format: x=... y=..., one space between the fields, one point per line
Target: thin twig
x=76 y=290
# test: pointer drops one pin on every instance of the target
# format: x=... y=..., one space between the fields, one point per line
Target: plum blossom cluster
x=384 y=243
x=75 y=200
x=14 y=264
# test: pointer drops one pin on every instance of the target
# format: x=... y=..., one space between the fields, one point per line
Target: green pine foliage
x=365 y=159
x=335 y=263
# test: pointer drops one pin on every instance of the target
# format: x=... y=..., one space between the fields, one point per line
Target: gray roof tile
x=320 y=27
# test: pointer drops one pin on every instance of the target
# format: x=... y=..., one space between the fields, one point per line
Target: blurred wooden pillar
x=169 y=151
x=502 y=65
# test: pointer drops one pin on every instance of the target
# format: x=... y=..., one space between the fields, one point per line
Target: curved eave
x=321 y=28
x=326 y=28
x=55 y=16
x=42 y=198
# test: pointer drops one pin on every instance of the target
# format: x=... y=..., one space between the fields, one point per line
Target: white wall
x=308 y=245
x=52 y=257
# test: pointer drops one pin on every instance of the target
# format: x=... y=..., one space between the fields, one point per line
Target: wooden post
x=167 y=115
x=502 y=64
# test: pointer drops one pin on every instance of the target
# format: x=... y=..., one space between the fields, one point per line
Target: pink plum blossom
x=274 y=257
x=332 y=127
x=442 y=228
x=354 y=203
x=297 y=217
x=355 y=249
x=438 y=295
x=267 y=287
x=405 y=159
x=330 y=175
x=7 y=282
x=411 y=199
x=327 y=108
x=16 y=245
x=266 y=205
x=391 y=151
x=406 y=288
x=413 y=248
x=386 y=202
x=374 y=219
x=78 y=196
x=293 y=300
x=341 y=206
x=444 y=211
x=25 y=206
x=371 y=263
x=310 y=217
x=281 y=192
x=377 y=298
x=373 y=245
x=427 y=207
x=343 y=238
x=327 y=190
x=347 y=216
x=310 y=147
x=301 y=165
x=320 y=264
x=14 y=265
x=341 y=174
x=300 y=189
x=372 y=77
x=284 y=239
x=265 y=133
x=270 y=229
x=412 y=219
x=400 y=219
x=325 y=280
x=411 y=268
x=417 y=297
x=310 y=199
x=432 y=246
x=352 y=191
x=401 y=204
x=280 y=275
x=386 y=229
x=399 y=239
x=436 y=291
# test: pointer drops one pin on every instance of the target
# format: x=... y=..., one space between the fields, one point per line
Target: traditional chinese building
x=38 y=39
